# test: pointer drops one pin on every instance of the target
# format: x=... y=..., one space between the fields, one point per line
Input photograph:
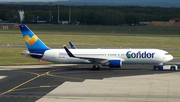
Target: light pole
x=58 y=11
x=69 y=11
x=50 y=10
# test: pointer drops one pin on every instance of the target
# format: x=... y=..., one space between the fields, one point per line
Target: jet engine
x=113 y=64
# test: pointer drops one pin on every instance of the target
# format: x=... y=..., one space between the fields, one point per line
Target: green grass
x=175 y=53
x=98 y=29
x=12 y=56
x=96 y=40
x=51 y=35
x=108 y=30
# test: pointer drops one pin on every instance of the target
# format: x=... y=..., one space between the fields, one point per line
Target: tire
x=94 y=67
x=157 y=68
x=98 y=68
x=173 y=68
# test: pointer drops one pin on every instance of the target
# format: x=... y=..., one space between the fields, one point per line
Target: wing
x=101 y=60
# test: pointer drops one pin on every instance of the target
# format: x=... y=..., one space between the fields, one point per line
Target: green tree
x=28 y=17
x=88 y=17
x=109 y=17
x=12 y=16
x=132 y=19
x=41 y=14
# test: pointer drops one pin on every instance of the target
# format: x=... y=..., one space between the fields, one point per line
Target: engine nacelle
x=113 y=64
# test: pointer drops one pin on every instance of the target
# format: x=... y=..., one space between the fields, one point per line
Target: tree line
x=90 y=15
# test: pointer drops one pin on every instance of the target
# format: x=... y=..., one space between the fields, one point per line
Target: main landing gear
x=96 y=67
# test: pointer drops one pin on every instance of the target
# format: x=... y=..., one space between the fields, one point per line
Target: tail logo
x=31 y=40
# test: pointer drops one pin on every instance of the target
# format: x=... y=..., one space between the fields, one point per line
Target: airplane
x=113 y=58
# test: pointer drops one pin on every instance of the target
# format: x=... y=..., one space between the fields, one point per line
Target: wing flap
x=99 y=59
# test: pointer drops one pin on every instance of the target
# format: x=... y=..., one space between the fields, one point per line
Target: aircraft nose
x=170 y=57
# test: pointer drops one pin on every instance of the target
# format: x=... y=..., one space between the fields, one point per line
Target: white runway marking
x=1 y=77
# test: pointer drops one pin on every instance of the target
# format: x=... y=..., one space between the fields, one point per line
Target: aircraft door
x=157 y=55
x=53 y=55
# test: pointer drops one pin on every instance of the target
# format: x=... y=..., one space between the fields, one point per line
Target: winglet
x=68 y=52
x=63 y=45
x=72 y=46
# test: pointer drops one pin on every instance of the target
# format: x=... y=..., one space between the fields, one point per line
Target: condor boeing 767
x=105 y=57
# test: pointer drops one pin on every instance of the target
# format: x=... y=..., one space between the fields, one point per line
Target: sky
x=166 y=3
x=30 y=0
x=93 y=0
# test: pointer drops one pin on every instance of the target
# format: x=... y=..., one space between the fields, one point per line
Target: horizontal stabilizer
x=35 y=54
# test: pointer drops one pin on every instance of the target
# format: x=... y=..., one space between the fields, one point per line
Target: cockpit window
x=167 y=54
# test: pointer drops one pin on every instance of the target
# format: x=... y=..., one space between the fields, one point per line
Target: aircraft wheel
x=157 y=68
x=173 y=69
x=98 y=67
x=94 y=67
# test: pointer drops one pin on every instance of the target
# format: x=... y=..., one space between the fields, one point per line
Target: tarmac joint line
x=20 y=85
x=38 y=75
x=66 y=99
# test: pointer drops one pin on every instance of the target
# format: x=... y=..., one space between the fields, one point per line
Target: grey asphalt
x=31 y=83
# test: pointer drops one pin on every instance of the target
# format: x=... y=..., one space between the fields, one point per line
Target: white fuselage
x=126 y=55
